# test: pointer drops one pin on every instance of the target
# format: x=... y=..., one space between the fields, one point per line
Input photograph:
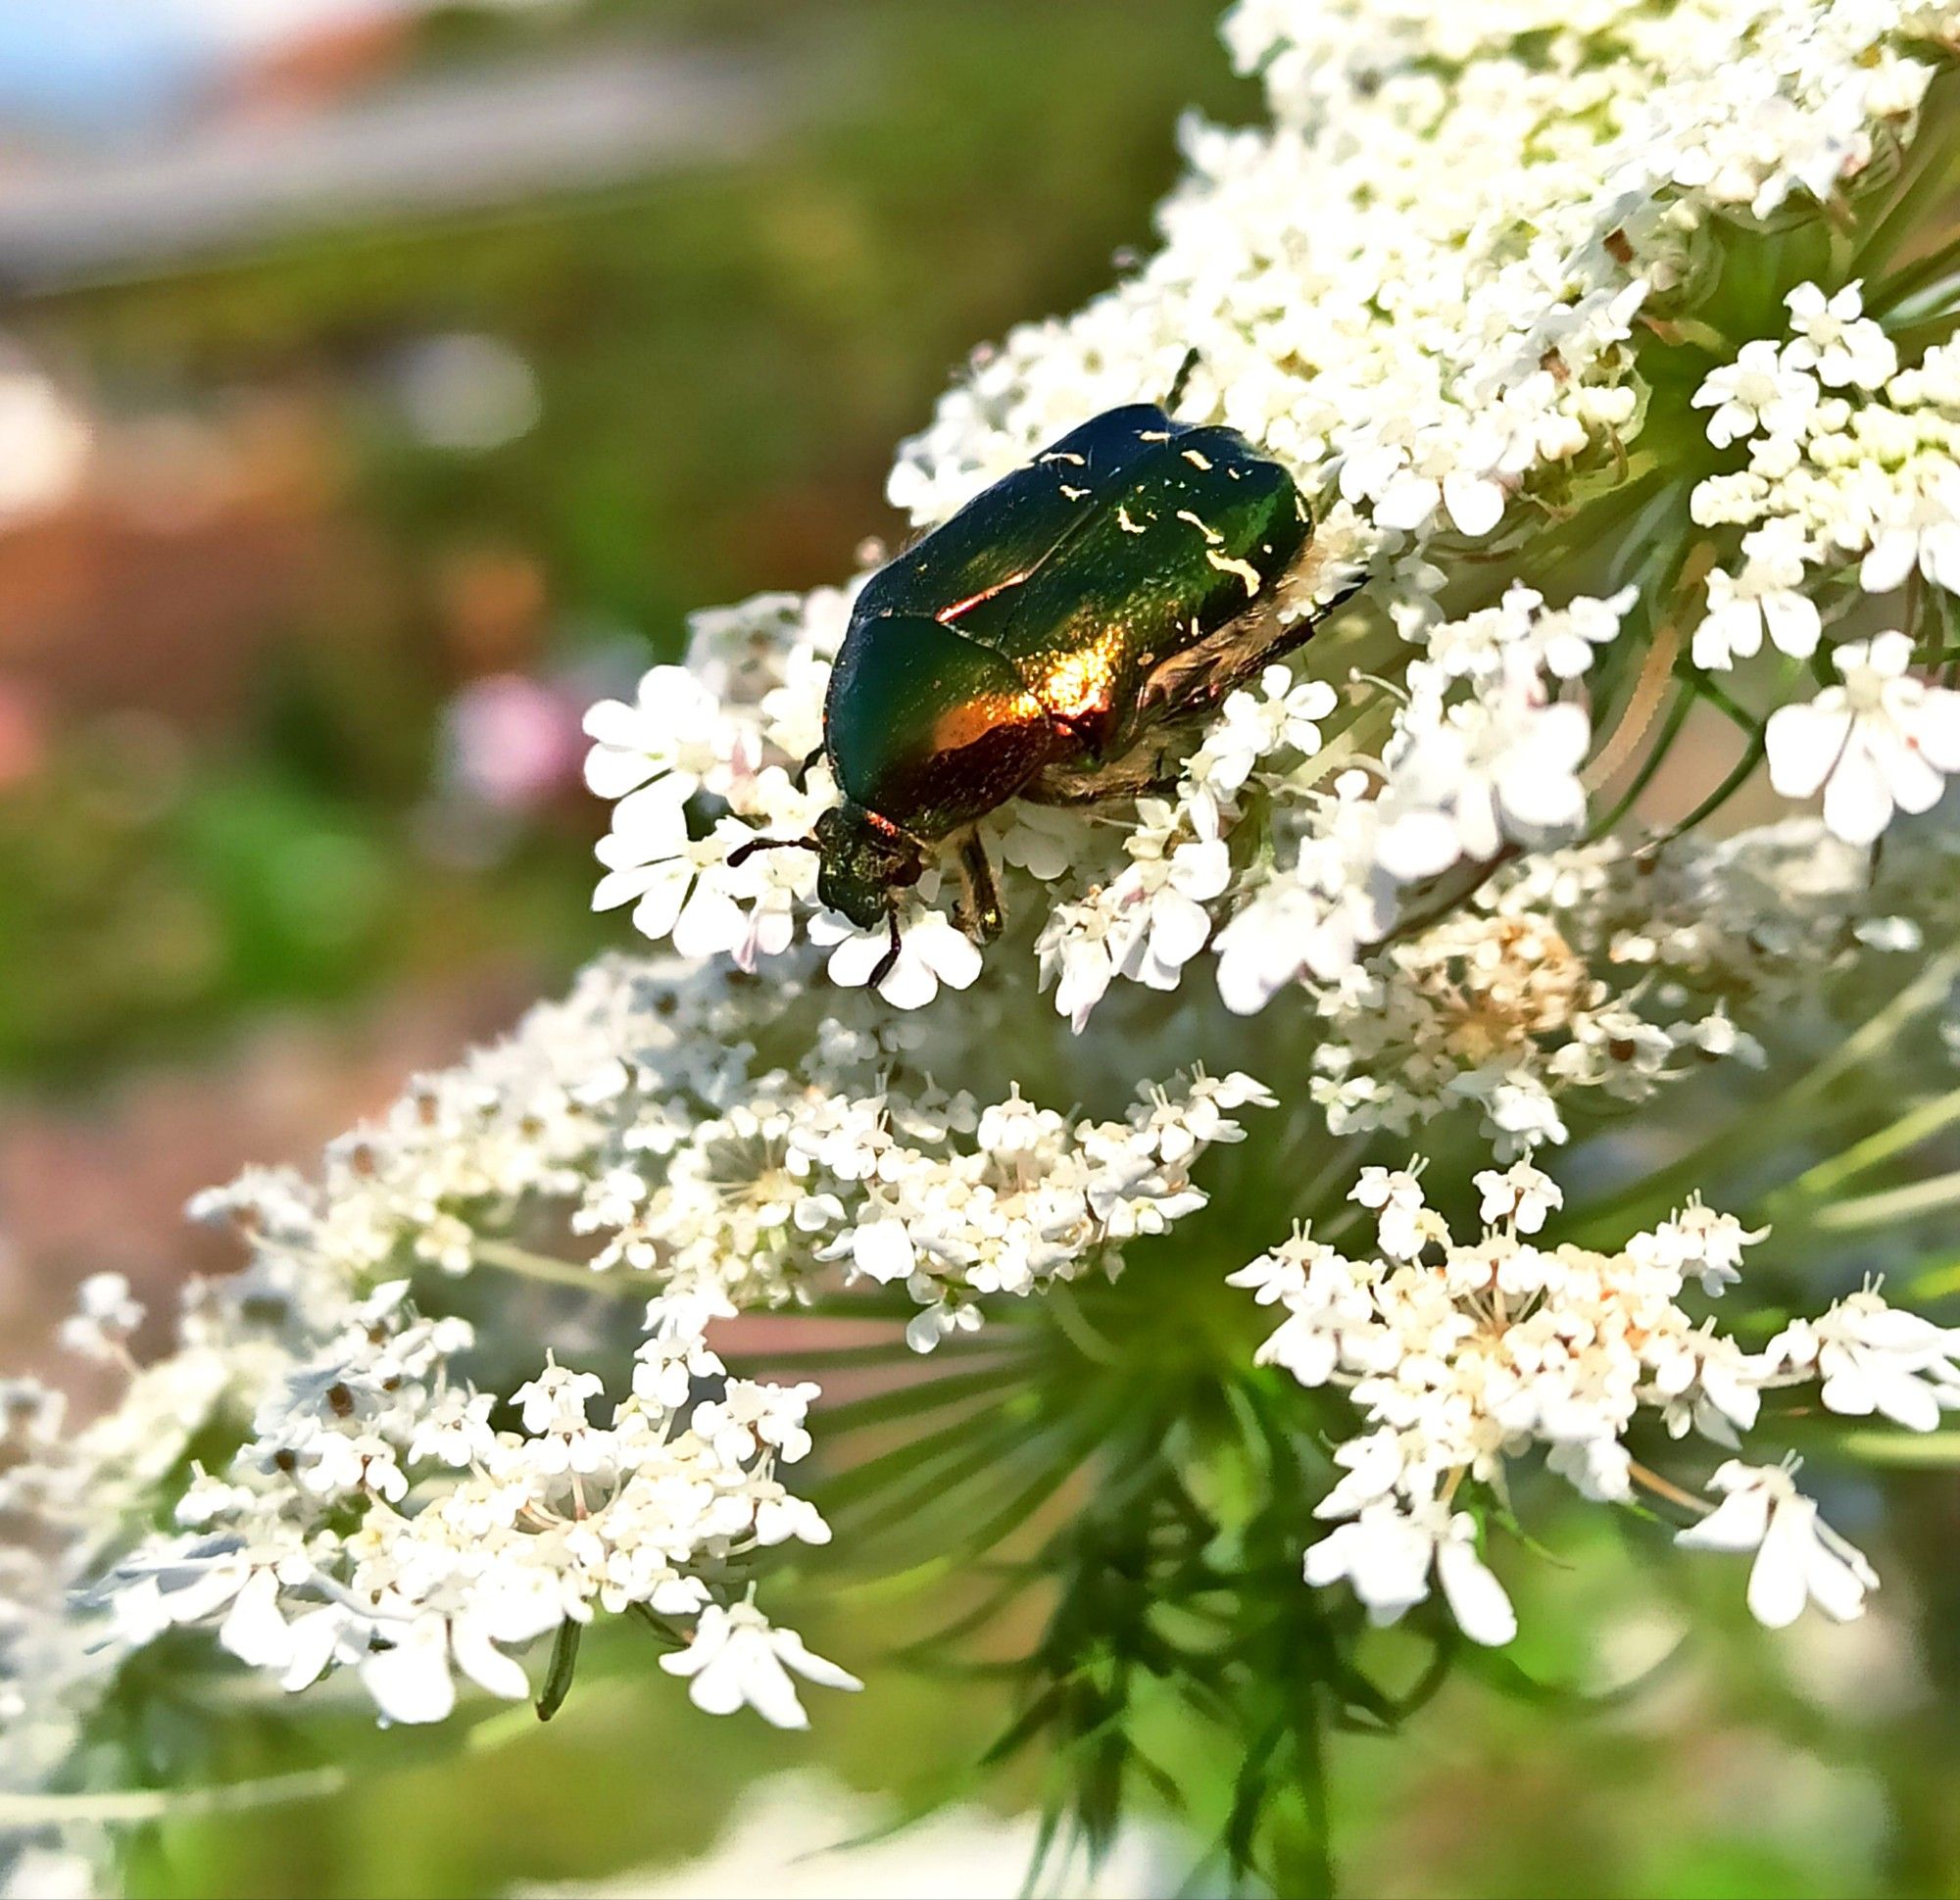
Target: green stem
x=932 y=1390
x=656 y=1625
x=1706 y=688
x=870 y=1304
x=111 y=1805
x=1077 y=1328
x=1739 y=775
x=1902 y=1448
x=508 y=1257
x=1927 y=1119
x=1894 y=1204
x=1928 y=174
x=1871 y=1038
x=1916 y=337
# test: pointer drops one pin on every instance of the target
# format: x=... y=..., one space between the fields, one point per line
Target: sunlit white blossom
x=1799 y=1558
x=931 y=953
x=1389 y=1555
x=672 y=736
x=1883 y=740
x=1765 y=597
x=1762 y=389
x=105 y=1317
x=1875 y=1358
x=1838 y=340
x=1459 y=1356
x=737 y=1658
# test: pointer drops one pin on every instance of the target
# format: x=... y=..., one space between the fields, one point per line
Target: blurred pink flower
x=512 y=742
x=22 y=735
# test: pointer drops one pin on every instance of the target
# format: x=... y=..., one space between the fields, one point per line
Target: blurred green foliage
x=725 y=355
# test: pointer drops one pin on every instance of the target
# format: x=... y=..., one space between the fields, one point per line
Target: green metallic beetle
x=1055 y=640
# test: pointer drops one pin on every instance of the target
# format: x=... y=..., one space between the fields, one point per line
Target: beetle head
x=863 y=860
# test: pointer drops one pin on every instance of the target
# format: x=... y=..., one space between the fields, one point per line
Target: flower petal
x=1857 y=801
x=410 y=1682
x=1804 y=743
x=1778 y=1585
x=1475 y=1600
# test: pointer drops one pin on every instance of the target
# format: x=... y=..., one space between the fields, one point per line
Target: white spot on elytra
x=1244 y=569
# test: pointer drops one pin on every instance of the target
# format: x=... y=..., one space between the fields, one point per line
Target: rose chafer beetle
x=1055 y=640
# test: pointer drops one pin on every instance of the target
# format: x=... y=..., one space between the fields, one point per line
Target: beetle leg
x=799 y=778
x=1178 y=381
x=889 y=961
x=979 y=912
x=742 y=853
x=1204 y=687
x=1145 y=769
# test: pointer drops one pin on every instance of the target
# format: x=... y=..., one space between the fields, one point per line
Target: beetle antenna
x=888 y=960
x=743 y=852
x=1179 y=382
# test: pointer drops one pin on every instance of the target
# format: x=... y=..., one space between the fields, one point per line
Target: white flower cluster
x=104 y=1318
x=1429 y=289
x=1766 y=917
x=70 y=1502
x=1852 y=466
x=1493 y=1005
x=1460 y=1358
x=1419 y=290
x=1738 y=104
x=378 y=1514
x=1416 y=288
x=47 y=1672
x=1854 y=470
x=1483 y=759
x=521 y=1120
x=1605 y=971
x=377 y=1518
x=732 y=724
x=640 y=1103
x=1881 y=741
x=525 y=1119
x=948 y=1199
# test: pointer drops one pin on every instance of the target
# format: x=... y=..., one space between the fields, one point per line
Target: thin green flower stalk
x=1363 y=1150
